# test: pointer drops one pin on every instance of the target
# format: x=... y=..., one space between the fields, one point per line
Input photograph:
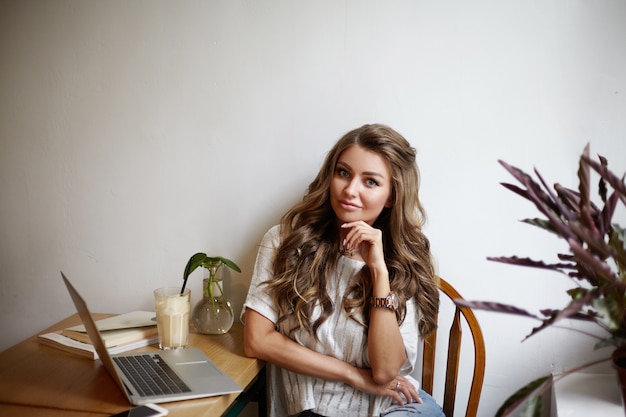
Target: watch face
x=395 y=302
x=392 y=302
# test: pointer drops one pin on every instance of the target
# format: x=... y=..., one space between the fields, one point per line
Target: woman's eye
x=372 y=183
x=343 y=173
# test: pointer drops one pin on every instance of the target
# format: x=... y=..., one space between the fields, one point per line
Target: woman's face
x=361 y=186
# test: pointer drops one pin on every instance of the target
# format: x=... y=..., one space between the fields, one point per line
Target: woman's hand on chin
x=365 y=240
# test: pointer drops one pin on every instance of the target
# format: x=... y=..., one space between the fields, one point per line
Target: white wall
x=133 y=134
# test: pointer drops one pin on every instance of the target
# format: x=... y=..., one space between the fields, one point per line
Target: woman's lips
x=348 y=205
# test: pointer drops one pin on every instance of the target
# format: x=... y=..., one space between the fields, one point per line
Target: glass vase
x=213 y=314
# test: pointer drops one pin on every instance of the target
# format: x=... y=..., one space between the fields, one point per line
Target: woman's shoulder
x=273 y=231
x=272 y=236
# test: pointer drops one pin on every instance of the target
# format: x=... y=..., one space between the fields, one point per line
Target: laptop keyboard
x=150 y=375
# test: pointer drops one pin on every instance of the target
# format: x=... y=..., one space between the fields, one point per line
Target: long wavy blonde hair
x=309 y=248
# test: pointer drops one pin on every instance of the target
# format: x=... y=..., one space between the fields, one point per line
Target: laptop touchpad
x=198 y=369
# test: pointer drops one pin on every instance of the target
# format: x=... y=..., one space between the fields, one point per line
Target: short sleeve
x=258 y=298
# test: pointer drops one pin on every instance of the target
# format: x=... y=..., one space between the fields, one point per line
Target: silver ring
x=397 y=385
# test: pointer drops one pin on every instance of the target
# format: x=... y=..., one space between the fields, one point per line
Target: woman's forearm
x=262 y=341
x=385 y=343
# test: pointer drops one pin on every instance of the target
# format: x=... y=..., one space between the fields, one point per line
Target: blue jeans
x=428 y=408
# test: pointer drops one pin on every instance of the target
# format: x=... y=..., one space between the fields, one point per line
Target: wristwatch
x=390 y=302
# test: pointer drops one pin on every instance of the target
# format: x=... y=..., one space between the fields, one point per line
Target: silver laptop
x=180 y=374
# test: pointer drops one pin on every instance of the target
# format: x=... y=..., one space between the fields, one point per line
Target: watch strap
x=389 y=302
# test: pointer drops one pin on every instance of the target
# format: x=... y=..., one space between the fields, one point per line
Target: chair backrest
x=454 y=354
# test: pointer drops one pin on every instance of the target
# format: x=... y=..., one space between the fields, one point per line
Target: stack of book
x=120 y=334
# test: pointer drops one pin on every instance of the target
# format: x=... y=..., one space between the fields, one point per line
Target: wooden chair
x=454 y=353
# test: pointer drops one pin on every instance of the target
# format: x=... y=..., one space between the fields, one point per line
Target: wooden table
x=37 y=380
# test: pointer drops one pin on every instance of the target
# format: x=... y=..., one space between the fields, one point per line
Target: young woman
x=344 y=286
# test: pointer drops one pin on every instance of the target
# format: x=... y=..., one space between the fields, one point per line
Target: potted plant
x=213 y=314
x=596 y=262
